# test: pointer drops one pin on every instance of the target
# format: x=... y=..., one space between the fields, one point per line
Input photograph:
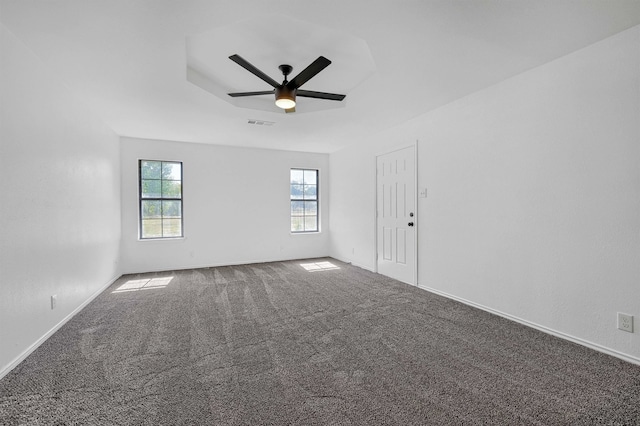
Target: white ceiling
x=127 y=60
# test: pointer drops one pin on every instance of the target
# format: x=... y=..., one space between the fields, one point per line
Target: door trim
x=413 y=145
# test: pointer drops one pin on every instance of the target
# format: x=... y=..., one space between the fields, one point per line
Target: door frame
x=413 y=145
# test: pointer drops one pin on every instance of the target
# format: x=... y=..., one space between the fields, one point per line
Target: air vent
x=260 y=122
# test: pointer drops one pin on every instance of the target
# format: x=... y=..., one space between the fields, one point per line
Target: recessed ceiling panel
x=270 y=41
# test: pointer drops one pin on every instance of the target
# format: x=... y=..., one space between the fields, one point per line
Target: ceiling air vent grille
x=260 y=122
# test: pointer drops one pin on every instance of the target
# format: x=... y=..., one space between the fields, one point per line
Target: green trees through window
x=160 y=199
x=304 y=200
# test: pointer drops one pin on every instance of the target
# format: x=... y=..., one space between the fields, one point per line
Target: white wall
x=60 y=208
x=533 y=207
x=236 y=207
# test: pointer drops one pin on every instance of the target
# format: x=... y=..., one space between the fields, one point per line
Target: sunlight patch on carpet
x=319 y=266
x=144 y=284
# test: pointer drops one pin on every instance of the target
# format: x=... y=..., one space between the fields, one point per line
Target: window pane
x=297 y=176
x=172 y=171
x=151 y=169
x=310 y=177
x=172 y=228
x=310 y=192
x=297 y=208
x=297 y=224
x=151 y=209
x=311 y=223
x=171 y=209
x=151 y=189
x=151 y=228
x=304 y=200
x=311 y=208
x=160 y=199
x=171 y=189
x=296 y=192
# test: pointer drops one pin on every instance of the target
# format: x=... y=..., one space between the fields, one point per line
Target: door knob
x=410 y=223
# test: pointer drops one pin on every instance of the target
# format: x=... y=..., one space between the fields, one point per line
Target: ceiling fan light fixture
x=285 y=103
x=285 y=97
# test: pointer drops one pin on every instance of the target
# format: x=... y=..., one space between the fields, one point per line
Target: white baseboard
x=539 y=327
x=13 y=364
x=356 y=264
x=218 y=264
x=361 y=266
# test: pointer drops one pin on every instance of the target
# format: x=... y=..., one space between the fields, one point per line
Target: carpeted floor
x=278 y=344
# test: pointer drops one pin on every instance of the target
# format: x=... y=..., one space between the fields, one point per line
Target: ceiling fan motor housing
x=284 y=93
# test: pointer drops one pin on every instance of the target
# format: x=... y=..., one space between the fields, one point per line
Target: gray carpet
x=276 y=344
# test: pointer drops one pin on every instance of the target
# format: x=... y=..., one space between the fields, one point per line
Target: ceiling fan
x=286 y=92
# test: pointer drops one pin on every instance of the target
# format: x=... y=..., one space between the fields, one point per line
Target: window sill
x=147 y=240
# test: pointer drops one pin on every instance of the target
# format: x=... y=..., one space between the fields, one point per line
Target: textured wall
x=60 y=208
x=534 y=195
x=236 y=207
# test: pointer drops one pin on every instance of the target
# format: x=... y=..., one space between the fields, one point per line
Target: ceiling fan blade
x=320 y=95
x=253 y=70
x=239 y=94
x=290 y=110
x=309 y=72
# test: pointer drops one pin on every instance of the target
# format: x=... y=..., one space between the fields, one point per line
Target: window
x=160 y=199
x=304 y=200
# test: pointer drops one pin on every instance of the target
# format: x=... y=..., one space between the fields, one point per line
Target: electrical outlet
x=54 y=300
x=625 y=322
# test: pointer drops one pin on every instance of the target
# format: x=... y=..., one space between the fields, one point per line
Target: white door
x=396 y=215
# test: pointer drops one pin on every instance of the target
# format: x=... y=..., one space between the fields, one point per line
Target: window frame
x=316 y=199
x=161 y=198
